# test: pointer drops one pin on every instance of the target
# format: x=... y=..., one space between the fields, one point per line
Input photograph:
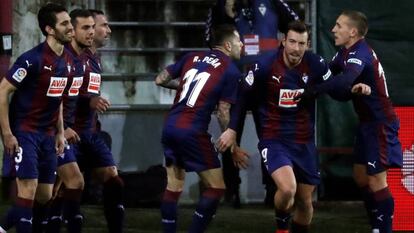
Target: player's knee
x=76 y=183
x=114 y=183
x=175 y=187
x=287 y=192
x=27 y=190
x=108 y=173
x=304 y=205
x=43 y=197
x=219 y=185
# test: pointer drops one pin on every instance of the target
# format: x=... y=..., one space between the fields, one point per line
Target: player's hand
x=11 y=145
x=361 y=89
x=226 y=140
x=240 y=157
x=60 y=143
x=71 y=136
x=99 y=103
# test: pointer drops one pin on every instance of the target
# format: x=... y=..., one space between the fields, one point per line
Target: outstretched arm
x=164 y=79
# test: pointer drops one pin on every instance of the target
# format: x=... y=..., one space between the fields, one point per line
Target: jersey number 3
x=190 y=77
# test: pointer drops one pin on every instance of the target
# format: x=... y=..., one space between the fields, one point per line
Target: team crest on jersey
x=305 y=78
x=262 y=9
x=76 y=84
x=286 y=97
x=19 y=74
x=57 y=86
x=250 y=78
x=94 y=85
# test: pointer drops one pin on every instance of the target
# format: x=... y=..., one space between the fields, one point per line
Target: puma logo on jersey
x=380 y=217
x=48 y=67
x=372 y=164
x=276 y=78
x=26 y=220
x=352 y=53
x=28 y=64
x=57 y=86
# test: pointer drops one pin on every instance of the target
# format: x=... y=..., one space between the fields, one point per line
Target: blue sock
x=206 y=209
x=71 y=210
x=383 y=211
x=55 y=216
x=114 y=211
x=40 y=215
x=19 y=216
x=368 y=198
x=282 y=219
x=169 y=211
x=299 y=228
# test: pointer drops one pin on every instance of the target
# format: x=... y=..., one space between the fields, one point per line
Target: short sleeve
x=231 y=83
x=22 y=69
x=175 y=69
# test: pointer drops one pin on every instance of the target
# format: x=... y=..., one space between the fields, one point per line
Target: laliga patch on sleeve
x=355 y=61
x=19 y=74
x=250 y=78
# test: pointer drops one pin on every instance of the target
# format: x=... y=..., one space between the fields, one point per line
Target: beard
x=63 y=38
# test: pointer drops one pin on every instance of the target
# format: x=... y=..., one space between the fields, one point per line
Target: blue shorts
x=36 y=158
x=377 y=146
x=303 y=159
x=93 y=152
x=68 y=156
x=189 y=150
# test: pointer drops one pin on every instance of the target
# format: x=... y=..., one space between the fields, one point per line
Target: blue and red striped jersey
x=205 y=79
x=86 y=117
x=70 y=96
x=275 y=86
x=41 y=77
x=361 y=65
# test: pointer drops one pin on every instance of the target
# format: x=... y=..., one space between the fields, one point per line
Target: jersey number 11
x=190 y=77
